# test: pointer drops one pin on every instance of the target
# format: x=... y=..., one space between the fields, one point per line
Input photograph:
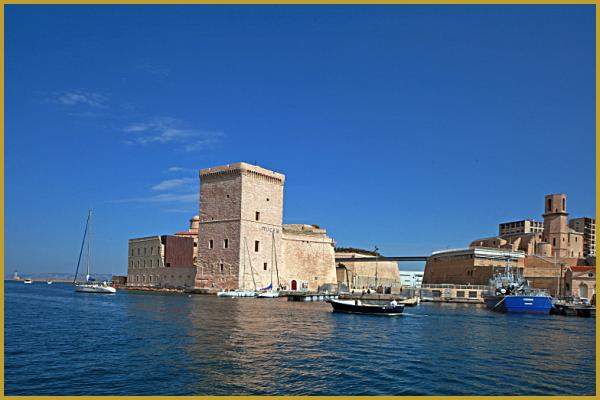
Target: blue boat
x=510 y=293
x=515 y=303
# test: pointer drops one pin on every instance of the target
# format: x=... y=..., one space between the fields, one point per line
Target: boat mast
x=87 y=222
x=89 y=248
x=250 y=261
x=276 y=267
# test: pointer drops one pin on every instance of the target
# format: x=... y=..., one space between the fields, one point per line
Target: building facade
x=161 y=261
x=472 y=266
x=520 y=227
x=580 y=281
x=587 y=226
x=553 y=237
x=363 y=275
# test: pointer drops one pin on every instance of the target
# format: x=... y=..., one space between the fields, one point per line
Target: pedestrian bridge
x=381 y=258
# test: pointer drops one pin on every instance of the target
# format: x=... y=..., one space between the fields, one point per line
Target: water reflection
x=180 y=345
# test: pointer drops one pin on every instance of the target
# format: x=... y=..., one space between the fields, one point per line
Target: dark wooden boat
x=358 y=307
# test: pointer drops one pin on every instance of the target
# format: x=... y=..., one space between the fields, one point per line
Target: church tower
x=556 y=228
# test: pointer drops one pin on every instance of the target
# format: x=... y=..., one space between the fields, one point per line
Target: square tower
x=240 y=227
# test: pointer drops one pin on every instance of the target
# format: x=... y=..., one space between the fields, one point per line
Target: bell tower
x=556 y=228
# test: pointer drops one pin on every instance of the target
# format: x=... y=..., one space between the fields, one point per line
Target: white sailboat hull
x=268 y=295
x=91 y=288
x=237 y=293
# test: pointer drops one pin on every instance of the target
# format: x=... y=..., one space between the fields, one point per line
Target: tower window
x=549 y=205
x=265 y=266
x=222 y=267
x=563 y=204
x=258 y=216
x=553 y=241
x=210 y=244
x=267 y=199
x=227 y=196
x=225 y=243
x=256 y=245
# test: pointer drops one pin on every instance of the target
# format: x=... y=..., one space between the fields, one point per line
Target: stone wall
x=308 y=258
x=361 y=275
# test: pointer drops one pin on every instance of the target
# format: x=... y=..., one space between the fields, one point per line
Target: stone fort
x=240 y=240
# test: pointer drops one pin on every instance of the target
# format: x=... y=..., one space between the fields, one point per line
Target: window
x=553 y=241
x=144 y=251
x=256 y=245
x=257 y=216
x=460 y=293
x=472 y=294
x=549 y=205
x=131 y=251
x=225 y=243
x=267 y=199
x=227 y=196
x=222 y=267
x=151 y=250
x=150 y=263
x=563 y=204
x=265 y=266
x=210 y=244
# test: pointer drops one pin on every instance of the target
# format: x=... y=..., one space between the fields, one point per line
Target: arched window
x=549 y=205
x=564 y=204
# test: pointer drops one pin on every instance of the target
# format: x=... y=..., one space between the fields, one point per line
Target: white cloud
x=173 y=184
x=162 y=198
x=170 y=131
x=78 y=97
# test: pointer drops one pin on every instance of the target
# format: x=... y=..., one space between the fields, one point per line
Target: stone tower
x=556 y=227
x=240 y=227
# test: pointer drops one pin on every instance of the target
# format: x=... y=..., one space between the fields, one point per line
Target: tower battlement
x=241 y=168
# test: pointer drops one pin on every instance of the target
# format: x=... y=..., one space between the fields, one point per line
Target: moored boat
x=359 y=307
x=270 y=294
x=237 y=293
x=510 y=293
x=28 y=281
x=89 y=285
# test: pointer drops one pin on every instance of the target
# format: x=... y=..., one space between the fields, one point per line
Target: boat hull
x=237 y=293
x=268 y=295
x=519 y=304
x=95 y=289
x=353 y=308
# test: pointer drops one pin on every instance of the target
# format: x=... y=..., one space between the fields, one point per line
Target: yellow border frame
x=267 y=2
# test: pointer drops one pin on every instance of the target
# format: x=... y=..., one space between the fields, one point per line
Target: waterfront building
x=580 y=281
x=363 y=275
x=161 y=261
x=587 y=226
x=470 y=266
x=554 y=237
x=243 y=242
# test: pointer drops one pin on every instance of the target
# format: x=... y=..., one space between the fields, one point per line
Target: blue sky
x=410 y=128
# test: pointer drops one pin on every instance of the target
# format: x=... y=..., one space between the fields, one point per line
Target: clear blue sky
x=411 y=128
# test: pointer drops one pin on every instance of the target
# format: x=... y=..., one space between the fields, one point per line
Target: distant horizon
x=409 y=128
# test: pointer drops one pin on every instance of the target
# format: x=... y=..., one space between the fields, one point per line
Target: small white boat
x=94 y=288
x=28 y=281
x=271 y=294
x=89 y=285
x=237 y=293
x=49 y=282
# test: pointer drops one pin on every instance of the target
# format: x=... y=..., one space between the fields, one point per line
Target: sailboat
x=268 y=292
x=89 y=285
x=242 y=292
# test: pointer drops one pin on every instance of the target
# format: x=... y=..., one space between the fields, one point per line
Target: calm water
x=58 y=342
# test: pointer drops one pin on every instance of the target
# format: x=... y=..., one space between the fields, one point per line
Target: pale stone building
x=242 y=240
x=554 y=236
x=366 y=274
x=580 y=281
x=161 y=261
